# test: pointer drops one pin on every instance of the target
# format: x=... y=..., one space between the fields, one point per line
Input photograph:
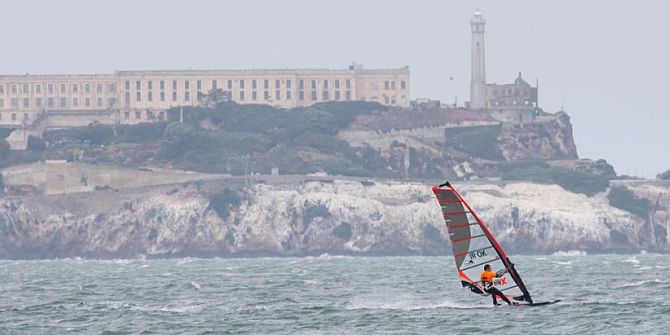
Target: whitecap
x=643 y=282
x=195 y=285
x=570 y=253
x=406 y=304
x=632 y=260
x=183 y=309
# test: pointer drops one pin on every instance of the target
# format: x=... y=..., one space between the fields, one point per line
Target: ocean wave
x=406 y=304
x=632 y=260
x=195 y=285
x=329 y=256
x=570 y=253
x=643 y=282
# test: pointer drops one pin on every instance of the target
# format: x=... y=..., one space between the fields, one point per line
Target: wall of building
x=141 y=96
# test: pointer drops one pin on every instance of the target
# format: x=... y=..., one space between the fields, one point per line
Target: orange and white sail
x=474 y=246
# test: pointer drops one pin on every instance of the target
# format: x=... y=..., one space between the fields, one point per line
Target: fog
x=604 y=62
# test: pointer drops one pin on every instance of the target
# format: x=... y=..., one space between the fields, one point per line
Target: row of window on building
x=100 y=88
x=329 y=90
x=391 y=85
x=14 y=117
x=63 y=102
x=241 y=84
x=510 y=92
x=50 y=89
x=326 y=95
x=150 y=115
x=388 y=100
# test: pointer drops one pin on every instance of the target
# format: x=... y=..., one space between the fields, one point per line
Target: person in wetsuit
x=487 y=281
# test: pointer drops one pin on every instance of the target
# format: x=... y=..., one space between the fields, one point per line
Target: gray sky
x=606 y=61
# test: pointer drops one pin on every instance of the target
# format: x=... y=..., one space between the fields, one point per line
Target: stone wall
x=60 y=177
x=429 y=138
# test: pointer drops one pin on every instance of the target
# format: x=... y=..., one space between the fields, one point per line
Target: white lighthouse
x=477 y=63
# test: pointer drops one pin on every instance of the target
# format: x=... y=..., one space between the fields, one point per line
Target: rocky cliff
x=437 y=142
x=548 y=138
x=310 y=217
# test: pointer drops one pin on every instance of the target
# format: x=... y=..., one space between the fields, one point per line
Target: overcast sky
x=606 y=62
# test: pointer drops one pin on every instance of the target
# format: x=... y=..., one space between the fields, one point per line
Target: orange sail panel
x=474 y=246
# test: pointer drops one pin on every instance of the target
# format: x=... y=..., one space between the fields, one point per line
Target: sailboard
x=474 y=246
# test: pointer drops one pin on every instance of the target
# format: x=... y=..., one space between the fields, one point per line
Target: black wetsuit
x=496 y=292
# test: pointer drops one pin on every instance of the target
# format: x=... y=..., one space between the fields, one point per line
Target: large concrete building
x=144 y=96
x=514 y=102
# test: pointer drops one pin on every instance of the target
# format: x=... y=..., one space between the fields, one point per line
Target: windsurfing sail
x=475 y=246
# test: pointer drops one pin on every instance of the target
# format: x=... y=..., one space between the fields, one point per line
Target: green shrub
x=343 y=231
x=477 y=141
x=538 y=171
x=177 y=139
x=623 y=198
x=2 y=184
x=36 y=144
x=344 y=168
x=19 y=157
x=345 y=112
x=223 y=202
x=4 y=150
x=541 y=172
x=140 y=133
x=321 y=142
x=267 y=137
x=580 y=182
x=4 y=132
x=96 y=134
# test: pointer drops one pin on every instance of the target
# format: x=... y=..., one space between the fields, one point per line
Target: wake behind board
x=474 y=246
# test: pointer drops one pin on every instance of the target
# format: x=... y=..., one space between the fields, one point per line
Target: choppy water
x=607 y=294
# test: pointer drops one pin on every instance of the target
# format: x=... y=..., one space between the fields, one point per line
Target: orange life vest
x=487 y=277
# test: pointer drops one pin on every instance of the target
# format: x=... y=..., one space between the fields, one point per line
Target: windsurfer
x=487 y=280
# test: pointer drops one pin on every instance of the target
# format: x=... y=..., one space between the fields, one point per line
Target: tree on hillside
x=2 y=185
x=96 y=134
x=623 y=198
x=4 y=151
x=36 y=144
x=177 y=139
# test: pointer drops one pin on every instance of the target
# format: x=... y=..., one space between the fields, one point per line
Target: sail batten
x=467 y=238
x=474 y=245
x=480 y=264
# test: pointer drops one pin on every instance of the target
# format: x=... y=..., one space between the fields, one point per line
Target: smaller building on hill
x=515 y=102
x=518 y=94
